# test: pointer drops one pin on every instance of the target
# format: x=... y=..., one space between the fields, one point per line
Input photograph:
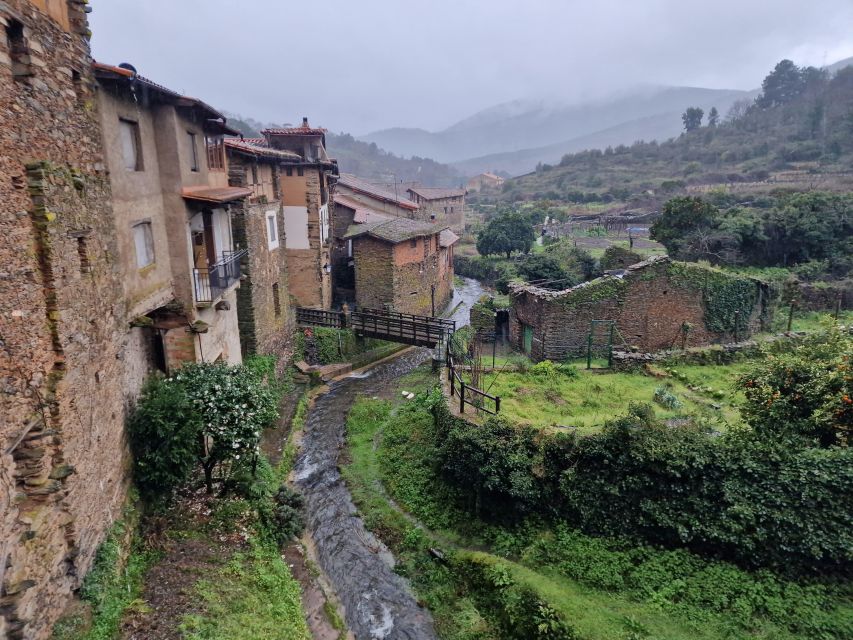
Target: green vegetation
x=206 y=414
x=506 y=233
x=800 y=123
x=809 y=232
x=113 y=584
x=325 y=345
x=550 y=580
x=252 y=596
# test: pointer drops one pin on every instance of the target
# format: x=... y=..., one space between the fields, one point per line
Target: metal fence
x=466 y=394
x=212 y=282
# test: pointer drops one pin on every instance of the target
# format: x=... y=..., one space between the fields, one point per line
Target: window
x=131 y=152
x=451 y=209
x=349 y=248
x=413 y=243
x=272 y=230
x=193 y=151
x=143 y=241
x=276 y=300
x=290 y=171
x=18 y=50
x=254 y=173
x=300 y=171
x=215 y=153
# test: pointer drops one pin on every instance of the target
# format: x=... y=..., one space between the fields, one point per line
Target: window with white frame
x=131 y=151
x=272 y=230
x=143 y=242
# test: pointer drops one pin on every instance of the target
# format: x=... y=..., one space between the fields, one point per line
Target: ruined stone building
x=439 y=205
x=178 y=260
x=654 y=305
x=306 y=187
x=376 y=197
x=263 y=302
x=63 y=461
x=484 y=181
x=402 y=264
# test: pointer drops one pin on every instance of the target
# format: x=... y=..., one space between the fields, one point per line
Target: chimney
x=304 y=122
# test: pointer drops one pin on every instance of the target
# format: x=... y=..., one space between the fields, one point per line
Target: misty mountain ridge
x=528 y=124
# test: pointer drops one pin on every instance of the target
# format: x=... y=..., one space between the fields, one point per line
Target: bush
x=288 y=518
x=164 y=433
x=665 y=398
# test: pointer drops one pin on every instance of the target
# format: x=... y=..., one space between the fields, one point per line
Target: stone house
x=63 y=459
x=654 y=305
x=376 y=197
x=403 y=265
x=484 y=181
x=306 y=187
x=263 y=302
x=439 y=205
x=178 y=261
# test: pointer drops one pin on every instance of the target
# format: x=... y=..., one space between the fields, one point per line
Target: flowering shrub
x=207 y=414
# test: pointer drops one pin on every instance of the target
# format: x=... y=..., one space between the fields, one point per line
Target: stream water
x=379 y=603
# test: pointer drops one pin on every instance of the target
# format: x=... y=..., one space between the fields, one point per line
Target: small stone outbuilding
x=654 y=305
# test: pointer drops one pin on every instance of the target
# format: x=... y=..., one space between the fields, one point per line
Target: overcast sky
x=362 y=65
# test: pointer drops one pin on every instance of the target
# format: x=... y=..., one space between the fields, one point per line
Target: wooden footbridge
x=422 y=331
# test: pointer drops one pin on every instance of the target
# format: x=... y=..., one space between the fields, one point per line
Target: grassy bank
x=589 y=588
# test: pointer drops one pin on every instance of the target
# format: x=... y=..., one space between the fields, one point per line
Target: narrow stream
x=378 y=602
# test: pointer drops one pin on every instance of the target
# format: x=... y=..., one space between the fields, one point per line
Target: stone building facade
x=263 y=303
x=178 y=260
x=403 y=265
x=61 y=334
x=655 y=305
x=439 y=205
x=484 y=181
x=306 y=188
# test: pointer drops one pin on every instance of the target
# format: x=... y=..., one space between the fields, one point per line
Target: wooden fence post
x=497 y=405
x=461 y=396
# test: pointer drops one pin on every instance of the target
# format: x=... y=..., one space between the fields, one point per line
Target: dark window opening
x=83 y=254
x=300 y=171
x=254 y=173
x=413 y=242
x=18 y=50
x=77 y=83
x=191 y=138
x=276 y=300
x=159 y=352
x=290 y=171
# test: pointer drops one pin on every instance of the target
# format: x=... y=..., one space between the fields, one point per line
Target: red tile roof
x=219 y=195
x=361 y=186
x=363 y=213
x=258 y=147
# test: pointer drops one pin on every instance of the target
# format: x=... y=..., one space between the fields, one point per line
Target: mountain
x=841 y=64
x=797 y=136
x=367 y=160
x=525 y=125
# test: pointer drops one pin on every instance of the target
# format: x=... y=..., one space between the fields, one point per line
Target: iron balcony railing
x=212 y=282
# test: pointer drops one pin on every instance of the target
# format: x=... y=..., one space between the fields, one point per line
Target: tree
x=684 y=220
x=504 y=234
x=692 y=118
x=781 y=85
x=713 y=117
x=546 y=271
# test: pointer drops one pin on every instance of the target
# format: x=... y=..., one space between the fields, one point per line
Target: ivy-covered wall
x=658 y=304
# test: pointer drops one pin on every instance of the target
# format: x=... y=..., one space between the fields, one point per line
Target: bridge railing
x=401 y=327
x=321 y=318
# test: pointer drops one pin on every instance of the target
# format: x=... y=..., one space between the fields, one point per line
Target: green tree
x=781 y=85
x=546 y=271
x=692 y=118
x=713 y=117
x=686 y=222
x=506 y=233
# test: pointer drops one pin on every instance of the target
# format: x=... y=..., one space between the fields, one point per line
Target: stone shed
x=654 y=305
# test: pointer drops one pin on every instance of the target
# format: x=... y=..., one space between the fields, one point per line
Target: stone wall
x=374 y=273
x=62 y=452
x=654 y=305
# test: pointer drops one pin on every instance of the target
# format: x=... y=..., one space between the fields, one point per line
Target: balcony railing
x=212 y=282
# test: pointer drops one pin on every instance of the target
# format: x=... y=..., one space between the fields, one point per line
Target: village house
x=402 y=265
x=653 y=305
x=440 y=205
x=484 y=181
x=62 y=321
x=179 y=263
x=378 y=198
x=263 y=303
x=306 y=187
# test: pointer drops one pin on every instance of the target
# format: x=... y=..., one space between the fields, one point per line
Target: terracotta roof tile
x=363 y=213
x=362 y=186
x=215 y=194
x=437 y=193
x=258 y=147
x=394 y=229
